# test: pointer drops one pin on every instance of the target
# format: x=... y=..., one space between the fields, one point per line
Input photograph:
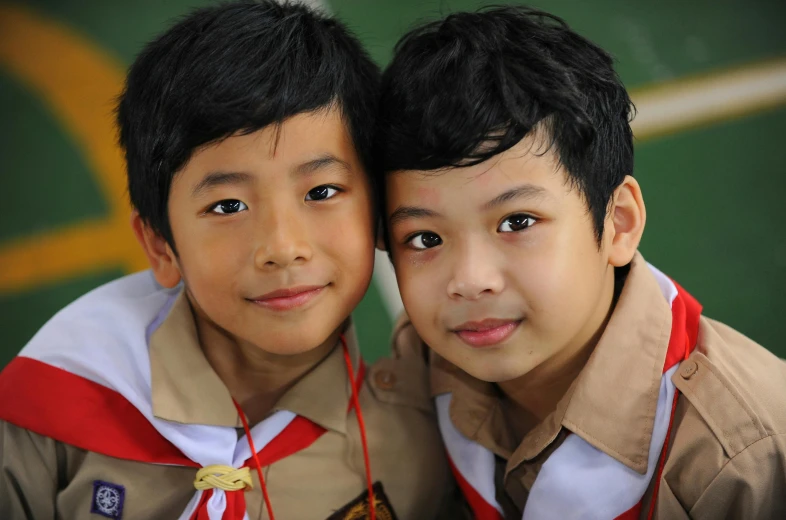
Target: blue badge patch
x=107 y=499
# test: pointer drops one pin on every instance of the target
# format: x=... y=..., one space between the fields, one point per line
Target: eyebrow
x=323 y=161
x=403 y=213
x=525 y=191
x=213 y=179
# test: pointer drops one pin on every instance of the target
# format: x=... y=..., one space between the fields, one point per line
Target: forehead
x=529 y=162
x=300 y=138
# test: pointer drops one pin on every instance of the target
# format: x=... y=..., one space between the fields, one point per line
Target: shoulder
x=399 y=413
x=736 y=385
x=26 y=453
x=93 y=351
x=401 y=379
x=104 y=331
x=730 y=425
x=117 y=309
x=129 y=291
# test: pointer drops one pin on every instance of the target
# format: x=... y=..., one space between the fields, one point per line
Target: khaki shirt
x=42 y=479
x=727 y=454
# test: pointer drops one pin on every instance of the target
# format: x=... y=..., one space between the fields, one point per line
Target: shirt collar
x=323 y=395
x=186 y=389
x=616 y=396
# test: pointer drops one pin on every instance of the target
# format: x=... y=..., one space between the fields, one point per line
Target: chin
x=291 y=341
x=498 y=374
x=493 y=369
x=281 y=349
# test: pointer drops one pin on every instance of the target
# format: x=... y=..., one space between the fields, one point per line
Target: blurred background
x=708 y=78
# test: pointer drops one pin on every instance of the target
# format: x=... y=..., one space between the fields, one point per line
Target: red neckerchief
x=92 y=417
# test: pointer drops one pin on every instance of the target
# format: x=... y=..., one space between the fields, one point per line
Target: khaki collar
x=186 y=389
x=612 y=403
x=323 y=395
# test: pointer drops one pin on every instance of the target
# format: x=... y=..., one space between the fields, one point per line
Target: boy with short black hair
x=572 y=379
x=228 y=383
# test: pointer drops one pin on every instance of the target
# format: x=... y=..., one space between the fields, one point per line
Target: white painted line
x=689 y=102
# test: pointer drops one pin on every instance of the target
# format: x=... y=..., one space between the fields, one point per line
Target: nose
x=475 y=272
x=283 y=241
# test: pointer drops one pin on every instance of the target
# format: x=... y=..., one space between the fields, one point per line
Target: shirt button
x=688 y=368
x=385 y=380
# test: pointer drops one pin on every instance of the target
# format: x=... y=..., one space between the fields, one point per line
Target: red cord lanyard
x=355 y=403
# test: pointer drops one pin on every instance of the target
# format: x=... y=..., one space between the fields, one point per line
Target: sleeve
x=28 y=477
x=751 y=486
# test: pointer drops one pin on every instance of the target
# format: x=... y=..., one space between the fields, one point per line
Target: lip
x=289 y=298
x=486 y=333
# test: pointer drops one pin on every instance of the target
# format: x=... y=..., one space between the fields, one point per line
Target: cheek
x=215 y=257
x=220 y=252
x=422 y=294
x=541 y=285
x=561 y=281
x=407 y=282
x=347 y=237
x=209 y=258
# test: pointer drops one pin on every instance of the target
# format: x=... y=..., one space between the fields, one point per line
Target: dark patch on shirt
x=358 y=508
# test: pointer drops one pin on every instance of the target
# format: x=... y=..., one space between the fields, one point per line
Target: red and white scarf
x=84 y=380
x=578 y=481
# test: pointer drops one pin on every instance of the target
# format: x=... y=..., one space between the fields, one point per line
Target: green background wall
x=714 y=187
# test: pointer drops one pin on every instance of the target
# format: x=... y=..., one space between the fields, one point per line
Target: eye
x=322 y=193
x=425 y=240
x=515 y=223
x=229 y=206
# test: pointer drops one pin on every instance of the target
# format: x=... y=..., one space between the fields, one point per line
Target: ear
x=162 y=258
x=625 y=222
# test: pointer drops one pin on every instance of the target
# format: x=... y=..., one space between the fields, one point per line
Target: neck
x=532 y=397
x=257 y=379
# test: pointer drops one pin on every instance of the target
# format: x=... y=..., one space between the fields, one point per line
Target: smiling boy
x=227 y=383
x=572 y=379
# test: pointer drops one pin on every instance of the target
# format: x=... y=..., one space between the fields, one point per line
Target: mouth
x=289 y=298
x=486 y=333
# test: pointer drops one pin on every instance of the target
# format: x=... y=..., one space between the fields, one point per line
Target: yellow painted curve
x=79 y=84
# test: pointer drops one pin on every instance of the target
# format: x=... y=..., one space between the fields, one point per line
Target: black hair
x=236 y=68
x=461 y=90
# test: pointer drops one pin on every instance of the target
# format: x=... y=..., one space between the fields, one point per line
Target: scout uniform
x=112 y=409
x=660 y=376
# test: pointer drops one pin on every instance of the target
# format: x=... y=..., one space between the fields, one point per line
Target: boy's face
x=498 y=264
x=275 y=238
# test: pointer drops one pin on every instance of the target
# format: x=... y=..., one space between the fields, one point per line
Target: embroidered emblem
x=107 y=499
x=358 y=508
